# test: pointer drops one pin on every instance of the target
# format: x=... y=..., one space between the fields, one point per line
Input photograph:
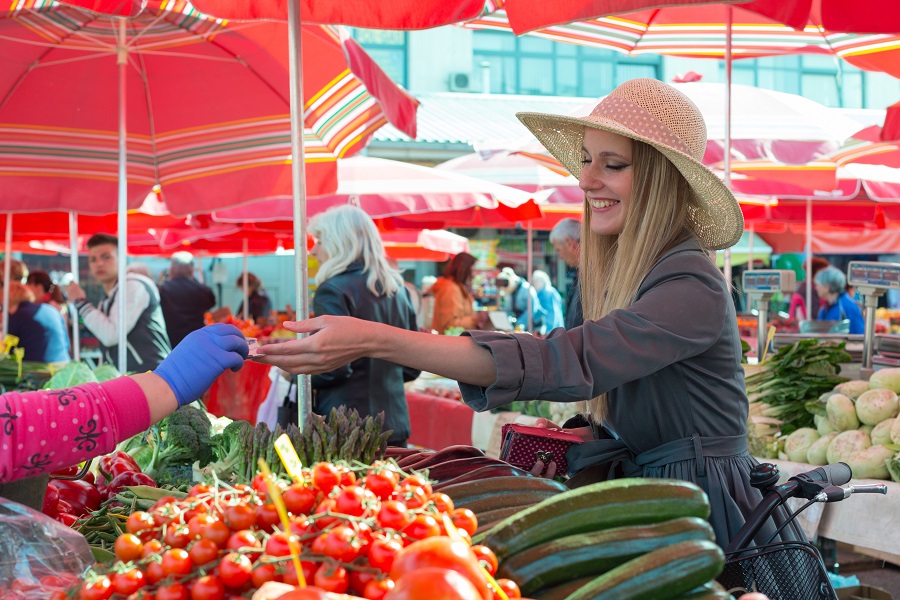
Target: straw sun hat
x=655 y=113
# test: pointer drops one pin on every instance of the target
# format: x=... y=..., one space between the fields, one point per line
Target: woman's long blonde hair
x=613 y=266
x=349 y=235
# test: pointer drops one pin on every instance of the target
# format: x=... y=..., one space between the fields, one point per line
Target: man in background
x=145 y=327
x=184 y=300
x=565 y=237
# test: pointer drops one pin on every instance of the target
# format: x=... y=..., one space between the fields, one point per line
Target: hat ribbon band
x=639 y=120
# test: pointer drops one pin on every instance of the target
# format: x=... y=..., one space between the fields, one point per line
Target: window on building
x=537 y=66
x=387 y=48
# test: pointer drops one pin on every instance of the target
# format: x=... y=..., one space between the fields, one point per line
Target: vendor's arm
x=329 y=300
x=45 y=430
x=340 y=340
x=679 y=314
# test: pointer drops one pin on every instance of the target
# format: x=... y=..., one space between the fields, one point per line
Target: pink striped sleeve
x=46 y=430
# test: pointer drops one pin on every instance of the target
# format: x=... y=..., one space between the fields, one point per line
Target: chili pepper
x=81 y=495
x=51 y=501
x=126 y=479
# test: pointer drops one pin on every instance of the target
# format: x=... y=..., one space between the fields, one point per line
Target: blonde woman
x=355 y=279
x=656 y=364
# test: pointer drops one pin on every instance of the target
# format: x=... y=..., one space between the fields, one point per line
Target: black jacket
x=184 y=300
x=369 y=385
x=574 y=316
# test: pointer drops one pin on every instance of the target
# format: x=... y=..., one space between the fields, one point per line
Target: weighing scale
x=760 y=285
x=872 y=280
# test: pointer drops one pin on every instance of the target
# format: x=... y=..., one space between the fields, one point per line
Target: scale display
x=874 y=274
x=770 y=281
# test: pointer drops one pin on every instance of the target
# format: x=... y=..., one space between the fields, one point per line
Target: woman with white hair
x=550 y=299
x=831 y=286
x=356 y=280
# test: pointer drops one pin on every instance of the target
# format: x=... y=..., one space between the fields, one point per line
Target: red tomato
x=465 y=519
x=358 y=581
x=378 y=588
x=350 y=501
x=129 y=581
x=442 y=502
x=382 y=553
x=177 y=536
x=289 y=575
x=318 y=544
x=138 y=521
x=327 y=505
x=207 y=587
x=299 y=499
x=128 y=547
x=267 y=517
x=262 y=573
x=332 y=578
x=151 y=547
x=173 y=591
x=307 y=593
x=200 y=489
x=165 y=513
x=414 y=496
x=421 y=527
x=414 y=481
x=278 y=544
x=154 y=571
x=240 y=516
x=382 y=482
x=163 y=502
x=176 y=562
x=434 y=584
x=442 y=553
x=486 y=557
x=96 y=589
x=325 y=477
x=342 y=544
x=217 y=532
x=348 y=477
x=393 y=514
x=203 y=552
x=301 y=527
x=242 y=539
x=509 y=587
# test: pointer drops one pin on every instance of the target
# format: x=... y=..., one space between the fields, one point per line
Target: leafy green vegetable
x=105 y=372
x=796 y=375
x=177 y=476
x=74 y=373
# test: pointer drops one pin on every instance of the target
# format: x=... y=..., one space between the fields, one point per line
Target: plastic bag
x=38 y=554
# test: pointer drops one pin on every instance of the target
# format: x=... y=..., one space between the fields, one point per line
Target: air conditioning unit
x=460 y=82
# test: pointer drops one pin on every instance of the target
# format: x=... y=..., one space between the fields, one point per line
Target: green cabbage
x=847 y=444
x=818 y=452
x=798 y=442
x=874 y=406
x=871 y=463
x=841 y=413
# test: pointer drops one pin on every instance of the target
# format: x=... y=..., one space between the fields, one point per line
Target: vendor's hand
x=203 y=355
x=74 y=292
x=337 y=341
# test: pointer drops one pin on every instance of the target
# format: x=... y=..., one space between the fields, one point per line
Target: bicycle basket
x=782 y=571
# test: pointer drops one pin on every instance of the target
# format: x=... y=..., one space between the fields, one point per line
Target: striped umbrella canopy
x=207 y=109
x=701 y=32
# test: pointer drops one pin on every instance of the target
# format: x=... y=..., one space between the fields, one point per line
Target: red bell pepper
x=66 y=519
x=127 y=479
x=81 y=495
x=113 y=465
x=51 y=501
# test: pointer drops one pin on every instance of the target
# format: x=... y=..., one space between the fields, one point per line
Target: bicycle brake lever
x=835 y=493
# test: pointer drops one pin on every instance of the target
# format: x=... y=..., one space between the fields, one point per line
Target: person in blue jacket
x=831 y=285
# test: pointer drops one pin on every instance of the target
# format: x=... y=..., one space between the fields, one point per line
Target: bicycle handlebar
x=836 y=474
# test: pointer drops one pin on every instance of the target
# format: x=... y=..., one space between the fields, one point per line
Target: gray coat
x=671 y=364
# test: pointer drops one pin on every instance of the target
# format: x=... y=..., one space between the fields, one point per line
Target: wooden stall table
x=437 y=422
x=237 y=395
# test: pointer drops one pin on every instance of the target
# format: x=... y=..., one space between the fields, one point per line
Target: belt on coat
x=594 y=452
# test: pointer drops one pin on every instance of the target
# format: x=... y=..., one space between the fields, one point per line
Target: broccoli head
x=178 y=477
x=229 y=450
x=181 y=438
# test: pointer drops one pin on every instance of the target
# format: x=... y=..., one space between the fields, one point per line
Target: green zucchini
x=594 y=507
x=707 y=592
x=506 y=500
x=596 y=553
x=489 y=518
x=659 y=575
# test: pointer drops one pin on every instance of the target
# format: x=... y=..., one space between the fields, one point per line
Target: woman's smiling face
x=606 y=179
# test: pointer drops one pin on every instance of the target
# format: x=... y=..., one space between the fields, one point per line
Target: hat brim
x=717 y=218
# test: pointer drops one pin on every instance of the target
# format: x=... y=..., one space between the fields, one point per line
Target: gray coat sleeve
x=678 y=314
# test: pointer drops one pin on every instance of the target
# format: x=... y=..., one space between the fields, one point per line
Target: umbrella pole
x=750 y=249
x=810 y=313
x=73 y=266
x=529 y=266
x=7 y=267
x=246 y=285
x=298 y=176
x=122 y=62
x=726 y=259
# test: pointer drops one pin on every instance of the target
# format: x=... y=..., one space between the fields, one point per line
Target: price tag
x=288 y=456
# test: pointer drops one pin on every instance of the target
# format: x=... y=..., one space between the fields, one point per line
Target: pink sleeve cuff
x=129 y=405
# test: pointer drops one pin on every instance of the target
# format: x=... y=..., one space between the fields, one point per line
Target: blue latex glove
x=203 y=355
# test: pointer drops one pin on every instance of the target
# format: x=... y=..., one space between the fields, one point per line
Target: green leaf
x=105 y=372
x=103 y=556
x=74 y=373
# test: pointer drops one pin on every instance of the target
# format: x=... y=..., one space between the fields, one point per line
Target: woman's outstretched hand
x=337 y=342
